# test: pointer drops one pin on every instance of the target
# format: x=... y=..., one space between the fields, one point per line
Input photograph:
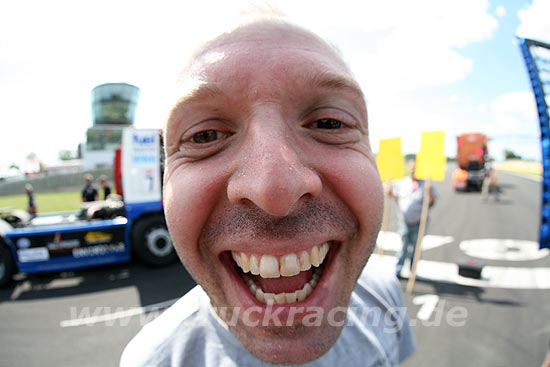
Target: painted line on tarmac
x=391 y=241
x=485 y=248
x=503 y=249
x=94 y=319
x=428 y=304
x=491 y=276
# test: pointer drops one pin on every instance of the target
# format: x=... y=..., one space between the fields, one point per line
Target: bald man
x=273 y=201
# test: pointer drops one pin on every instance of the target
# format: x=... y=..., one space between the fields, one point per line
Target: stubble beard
x=295 y=343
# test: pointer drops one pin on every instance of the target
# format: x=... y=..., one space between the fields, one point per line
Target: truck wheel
x=7 y=267
x=152 y=243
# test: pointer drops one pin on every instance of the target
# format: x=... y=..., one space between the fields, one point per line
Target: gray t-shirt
x=189 y=333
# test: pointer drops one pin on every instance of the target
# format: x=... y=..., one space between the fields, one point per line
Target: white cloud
x=500 y=11
x=55 y=54
x=534 y=22
x=510 y=120
x=402 y=45
x=434 y=20
x=515 y=125
x=402 y=119
x=515 y=112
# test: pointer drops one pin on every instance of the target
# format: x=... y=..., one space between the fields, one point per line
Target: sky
x=424 y=65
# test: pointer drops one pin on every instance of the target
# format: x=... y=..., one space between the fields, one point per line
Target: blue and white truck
x=102 y=232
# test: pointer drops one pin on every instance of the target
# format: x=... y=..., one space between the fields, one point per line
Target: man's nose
x=272 y=175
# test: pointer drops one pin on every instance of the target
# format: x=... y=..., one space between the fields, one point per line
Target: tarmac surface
x=86 y=317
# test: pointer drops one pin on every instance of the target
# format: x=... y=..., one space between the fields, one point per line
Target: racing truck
x=101 y=232
x=474 y=164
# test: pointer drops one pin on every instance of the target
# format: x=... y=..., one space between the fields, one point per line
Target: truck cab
x=102 y=232
x=473 y=161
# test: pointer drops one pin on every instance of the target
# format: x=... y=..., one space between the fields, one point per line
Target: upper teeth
x=284 y=297
x=269 y=266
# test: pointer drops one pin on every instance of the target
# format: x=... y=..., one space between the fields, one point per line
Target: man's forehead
x=252 y=39
x=266 y=30
x=258 y=35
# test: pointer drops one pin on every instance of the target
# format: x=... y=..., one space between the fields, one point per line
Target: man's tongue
x=284 y=284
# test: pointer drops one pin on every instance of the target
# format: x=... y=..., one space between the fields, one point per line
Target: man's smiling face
x=271 y=193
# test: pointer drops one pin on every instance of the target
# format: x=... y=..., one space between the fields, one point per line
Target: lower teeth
x=284 y=298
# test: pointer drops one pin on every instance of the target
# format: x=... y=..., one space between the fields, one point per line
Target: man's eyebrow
x=194 y=92
x=197 y=92
x=202 y=91
x=335 y=81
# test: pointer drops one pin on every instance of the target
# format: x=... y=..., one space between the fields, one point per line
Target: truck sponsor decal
x=23 y=242
x=97 y=237
x=33 y=254
x=98 y=250
x=62 y=245
x=70 y=244
x=149 y=159
x=144 y=139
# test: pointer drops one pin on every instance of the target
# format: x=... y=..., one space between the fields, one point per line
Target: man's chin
x=296 y=344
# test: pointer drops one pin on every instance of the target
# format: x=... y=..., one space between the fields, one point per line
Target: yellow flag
x=390 y=159
x=431 y=160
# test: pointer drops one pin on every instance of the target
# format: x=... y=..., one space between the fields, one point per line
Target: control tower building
x=113 y=109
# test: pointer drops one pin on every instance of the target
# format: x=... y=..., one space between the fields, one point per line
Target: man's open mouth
x=283 y=279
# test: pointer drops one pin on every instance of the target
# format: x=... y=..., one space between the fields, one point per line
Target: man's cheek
x=189 y=196
x=356 y=181
x=179 y=211
x=362 y=193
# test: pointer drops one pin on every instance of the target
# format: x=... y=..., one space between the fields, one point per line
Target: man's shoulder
x=156 y=341
x=381 y=288
x=181 y=332
x=378 y=309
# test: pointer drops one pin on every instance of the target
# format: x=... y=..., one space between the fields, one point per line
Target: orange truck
x=472 y=157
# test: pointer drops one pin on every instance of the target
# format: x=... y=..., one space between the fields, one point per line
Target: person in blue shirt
x=409 y=194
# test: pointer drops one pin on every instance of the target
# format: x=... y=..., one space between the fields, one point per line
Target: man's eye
x=328 y=124
x=205 y=136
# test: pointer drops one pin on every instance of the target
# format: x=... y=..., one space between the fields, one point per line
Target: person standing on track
x=105 y=186
x=409 y=194
x=89 y=193
x=31 y=207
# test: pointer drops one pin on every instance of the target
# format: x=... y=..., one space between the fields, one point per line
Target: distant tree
x=509 y=154
x=13 y=165
x=31 y=155
x=65 y=155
